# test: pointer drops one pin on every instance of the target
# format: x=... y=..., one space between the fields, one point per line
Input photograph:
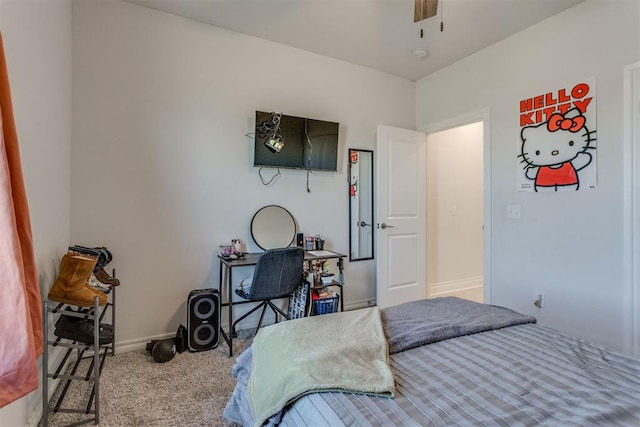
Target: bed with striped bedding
x=520 y=375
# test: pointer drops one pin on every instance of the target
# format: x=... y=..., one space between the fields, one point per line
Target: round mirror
x=273 y=227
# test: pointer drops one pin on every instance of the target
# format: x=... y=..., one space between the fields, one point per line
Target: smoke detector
x=420 y=53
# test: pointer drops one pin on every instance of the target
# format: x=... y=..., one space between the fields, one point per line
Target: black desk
x=250 y=259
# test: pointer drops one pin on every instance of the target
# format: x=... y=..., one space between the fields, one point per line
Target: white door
x=401 y=212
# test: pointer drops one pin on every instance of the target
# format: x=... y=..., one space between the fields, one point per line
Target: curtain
x=20 y=302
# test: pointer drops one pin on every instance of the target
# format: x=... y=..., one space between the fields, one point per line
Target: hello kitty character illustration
x=556 y=150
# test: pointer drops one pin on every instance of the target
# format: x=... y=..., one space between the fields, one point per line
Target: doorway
x=470 y=285
x=455 y=212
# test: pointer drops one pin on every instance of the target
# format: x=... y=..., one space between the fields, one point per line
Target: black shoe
x=70 y=321
x=82 y=331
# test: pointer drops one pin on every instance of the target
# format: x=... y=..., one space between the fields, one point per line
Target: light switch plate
x=513 y=211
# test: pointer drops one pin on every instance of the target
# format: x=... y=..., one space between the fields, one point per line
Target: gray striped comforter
x=524 y=375
x=521 y=375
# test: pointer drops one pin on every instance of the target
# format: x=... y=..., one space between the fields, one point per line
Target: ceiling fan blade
x=424 y=9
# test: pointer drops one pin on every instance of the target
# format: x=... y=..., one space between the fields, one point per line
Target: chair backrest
x=277 y=274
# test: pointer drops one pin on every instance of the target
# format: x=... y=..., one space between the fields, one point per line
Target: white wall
x=162 y=172
x=455 y=212
x=567 y=245
x=161 y=167
x=37 y=42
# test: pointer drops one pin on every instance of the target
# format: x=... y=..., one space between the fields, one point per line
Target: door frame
x=631 y=220
x=484 y=116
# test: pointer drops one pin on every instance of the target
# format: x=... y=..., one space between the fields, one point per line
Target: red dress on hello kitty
x=550 y=177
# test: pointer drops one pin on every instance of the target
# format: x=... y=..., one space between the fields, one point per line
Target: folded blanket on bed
x=416 y=323
x=344 y=351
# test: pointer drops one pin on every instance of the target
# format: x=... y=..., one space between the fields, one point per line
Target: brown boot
x=69 y=286
x=102 y=297
x=105 y=278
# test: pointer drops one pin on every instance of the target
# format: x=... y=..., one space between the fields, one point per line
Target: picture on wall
x=353 y=184
x=557 y=145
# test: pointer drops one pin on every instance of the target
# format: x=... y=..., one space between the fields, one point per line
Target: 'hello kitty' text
x=539 y=108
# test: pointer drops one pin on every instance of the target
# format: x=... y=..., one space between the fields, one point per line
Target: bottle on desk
x=237 y=245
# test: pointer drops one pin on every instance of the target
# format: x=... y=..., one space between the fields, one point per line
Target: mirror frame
x=284 y=211
x=353 y=187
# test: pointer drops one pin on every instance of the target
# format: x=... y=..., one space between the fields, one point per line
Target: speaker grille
x=204 y=308
x=203 y=323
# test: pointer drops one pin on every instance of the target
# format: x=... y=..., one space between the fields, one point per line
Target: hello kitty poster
x=557 y=145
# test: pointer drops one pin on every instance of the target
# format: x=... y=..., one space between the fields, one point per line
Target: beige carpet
x=189 y=390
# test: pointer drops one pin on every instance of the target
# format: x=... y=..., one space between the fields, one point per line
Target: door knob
x=364 y=224
x=383 y=226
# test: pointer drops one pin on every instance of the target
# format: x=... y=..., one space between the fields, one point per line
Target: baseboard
x=138 y=343
x=460 y=287
x=355 y=305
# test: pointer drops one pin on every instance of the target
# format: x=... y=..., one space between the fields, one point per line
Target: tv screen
x=308 y=143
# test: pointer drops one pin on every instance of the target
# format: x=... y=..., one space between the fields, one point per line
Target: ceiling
x=378 y=34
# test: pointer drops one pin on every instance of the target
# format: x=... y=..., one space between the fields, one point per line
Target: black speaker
x=203 y=319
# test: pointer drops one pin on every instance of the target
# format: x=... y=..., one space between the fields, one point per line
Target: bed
x=457 y=363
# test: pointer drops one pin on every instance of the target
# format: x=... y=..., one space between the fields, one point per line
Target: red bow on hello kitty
x=558 y=121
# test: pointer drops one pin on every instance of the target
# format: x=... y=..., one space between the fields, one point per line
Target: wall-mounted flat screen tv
x=308 y=144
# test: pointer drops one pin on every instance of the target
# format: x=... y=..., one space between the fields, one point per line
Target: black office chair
x=278 y=274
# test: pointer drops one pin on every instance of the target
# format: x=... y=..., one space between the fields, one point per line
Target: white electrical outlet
x=537 y=300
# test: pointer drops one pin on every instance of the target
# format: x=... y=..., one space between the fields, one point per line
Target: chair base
x=263 y=304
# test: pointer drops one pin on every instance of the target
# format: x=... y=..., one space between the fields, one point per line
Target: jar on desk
x=225 y=250
x=309 y=243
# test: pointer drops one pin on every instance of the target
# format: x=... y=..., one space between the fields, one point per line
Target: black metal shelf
x=96 y=352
